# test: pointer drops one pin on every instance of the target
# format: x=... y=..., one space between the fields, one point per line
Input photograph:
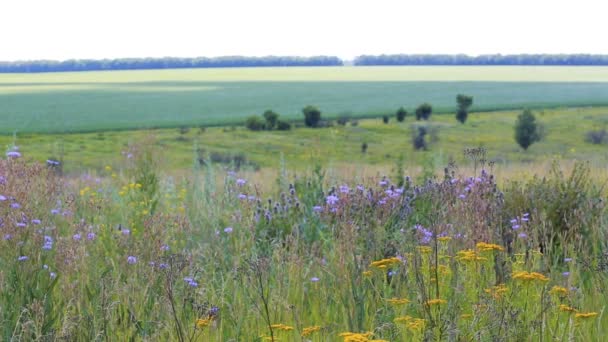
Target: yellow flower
x=410 y=322
x=585 y=315
x=469 y=255
x=558 y=290
x=566 y=308
x=397 y=301
x=529 y=276
x=356 y=337
x=424 y=249
x=282 y=327
x=203 y=322
x=385 y=262
x=444 y=238
x=108 y=168
x=435 y=301
x=310 y=330
x=465 y=316
x=367 y=273
x=485 y=247
x=497 y=291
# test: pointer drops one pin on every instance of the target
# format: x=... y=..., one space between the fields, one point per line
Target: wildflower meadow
x=129 y=253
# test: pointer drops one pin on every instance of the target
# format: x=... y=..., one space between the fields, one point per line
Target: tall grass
x=131 y=254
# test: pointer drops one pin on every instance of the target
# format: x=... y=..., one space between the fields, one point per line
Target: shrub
x=597 y=137
x=354 y=123
x=424 y=111
x=385 y=119
x=343 y=120
x=401 y=113
x=312 y=116
x=418 y=137
x=464 y=102
x=254 y=123
x=283 y=125
x=526 y=129
x=271 y=119
x=184 y=130
x=364 y=147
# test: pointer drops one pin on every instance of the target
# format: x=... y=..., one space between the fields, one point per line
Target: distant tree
x=464 y=103
x=312 y=116
x=271 y=119
x=385 y=119
x=424 y=111
x=364 y=147
x=401 y=113
x=283 y=125
x=254 y=123
x=526 y=129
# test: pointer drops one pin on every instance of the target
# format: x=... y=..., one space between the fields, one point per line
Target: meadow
x=129 y=254
x=118 y=100
x=338 y=147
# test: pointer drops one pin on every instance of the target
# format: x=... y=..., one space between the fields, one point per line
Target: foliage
x=401 y=114
x=464 y=102
x=385 y=119
x=526 y=129
x=597 y=137
x=283 y=125
x=312 y=116
x=519 y=59
x=424 y=111
x=271 y=119
x=255 y=123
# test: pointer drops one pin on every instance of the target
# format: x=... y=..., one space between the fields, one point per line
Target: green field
x=337 y=146
x=94 y=101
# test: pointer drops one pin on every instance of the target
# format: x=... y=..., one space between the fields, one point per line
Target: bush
x=343 y=120
x=597 y=137
x=401 y=113
x=424 y=111
x=271 y=119
x=418 y=138
x=283 y=125
x=354 y=123
x=526 y=129
x=254 y=123
x=464 y=102
x=385 y=119
x=312 y=116
x=364 y=147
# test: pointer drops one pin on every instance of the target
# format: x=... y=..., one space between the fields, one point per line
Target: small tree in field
x=271 y=119
x=312 y=116
x=385 y=119
x=401 y=113
x=464 y=102
x=424 y=111
x=526 y=129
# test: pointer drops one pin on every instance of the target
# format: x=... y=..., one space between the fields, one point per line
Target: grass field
x=337 y=146
x=95 y=101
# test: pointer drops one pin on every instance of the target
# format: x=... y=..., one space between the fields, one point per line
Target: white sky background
x=63 y=29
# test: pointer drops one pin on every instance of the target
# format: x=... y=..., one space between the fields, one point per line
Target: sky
x=65 y=29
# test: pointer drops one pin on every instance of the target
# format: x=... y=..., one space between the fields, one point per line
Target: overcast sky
x=63 y=29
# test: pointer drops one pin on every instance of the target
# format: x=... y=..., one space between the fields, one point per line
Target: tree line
x=166 y=63
x=520 y=59
x=277 y=61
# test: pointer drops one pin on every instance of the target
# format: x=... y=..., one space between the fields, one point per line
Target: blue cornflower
x=131 y=259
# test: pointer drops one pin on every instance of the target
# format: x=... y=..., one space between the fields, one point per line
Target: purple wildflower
x=13 y=154
x=164 y=247
x=76 y=237
x=91 y=236
x=228 y=230
x=241 y=182
x=2 y=198
x=131 y=259
x=567 y=259
x=15 y=205
x=21 y=224
x=46 y=267
x=516 y=227
x=7 y=236
x=565 y=274
x=314 y=279
x=317 y=208
x=344 y=189
x=242 y=196
x=462 y=196
x=360 y=187
x=55 y=211
x=22 y=258
x=522 y=235
x=126 y=232
x=53 y=275
x=36 y=221
x=332 y=199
